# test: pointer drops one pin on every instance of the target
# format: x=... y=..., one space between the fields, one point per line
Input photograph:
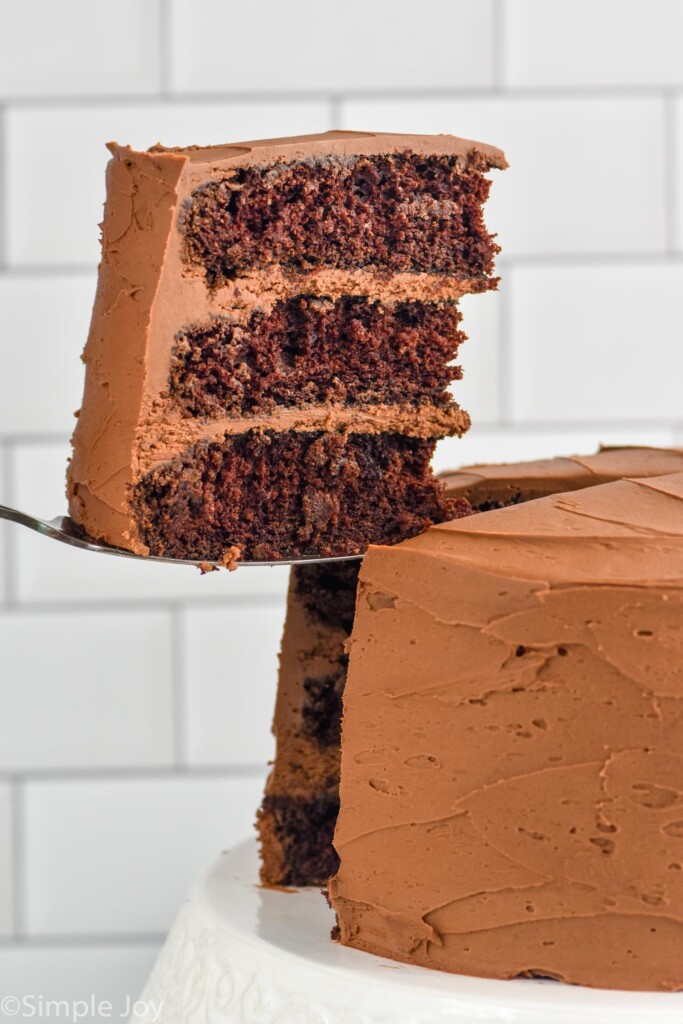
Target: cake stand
x=242 y=954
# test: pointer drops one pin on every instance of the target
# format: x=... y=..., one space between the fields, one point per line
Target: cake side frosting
x=301 y=846
x=138 y=222
x=511 y=782
x=150 y=295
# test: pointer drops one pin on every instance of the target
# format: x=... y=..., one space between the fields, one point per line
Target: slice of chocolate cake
x=273 y=342
x=300 y=808
x=511 y=773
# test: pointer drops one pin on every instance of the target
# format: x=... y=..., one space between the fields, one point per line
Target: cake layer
x=311 y=350
x=403 y=211
x=334 y=492
x=512 y=780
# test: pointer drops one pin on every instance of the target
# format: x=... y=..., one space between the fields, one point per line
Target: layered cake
x=299 y=811
x=512 y=778
x=273 y=342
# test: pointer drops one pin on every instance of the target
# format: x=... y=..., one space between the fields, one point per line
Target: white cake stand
x=241 y=954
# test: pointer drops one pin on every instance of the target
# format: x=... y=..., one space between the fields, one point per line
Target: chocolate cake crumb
x=302 y=829
x=334 y=493
x=399 y=211
x=311 y=350
x=328 y=592
x=322 y=708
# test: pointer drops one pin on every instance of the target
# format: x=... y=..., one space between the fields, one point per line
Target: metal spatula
x=63 y=528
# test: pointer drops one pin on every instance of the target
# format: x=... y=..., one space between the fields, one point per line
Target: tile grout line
x=133 y=773
x=35 y=439
x=282 y=96
x=522 y=426
x=591 y=259
x=19 y=889
x=63 y=941
x=179 y=688
x=670 y=173
x=150 y=605
x=48 y=270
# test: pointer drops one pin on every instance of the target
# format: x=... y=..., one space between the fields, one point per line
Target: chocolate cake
x=512 y=779
x=273 y=342
x=299 y=811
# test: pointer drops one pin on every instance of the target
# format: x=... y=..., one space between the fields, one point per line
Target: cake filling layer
x=403 y=211
x=334 y=493
x=308 y=350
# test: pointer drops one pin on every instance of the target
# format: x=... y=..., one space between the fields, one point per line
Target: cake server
x=65 y=529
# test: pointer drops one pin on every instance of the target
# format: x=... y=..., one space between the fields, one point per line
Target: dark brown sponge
x=301 y=829
x=328 y=592
x=308 y=350
x=291 y=494
x=402 y=212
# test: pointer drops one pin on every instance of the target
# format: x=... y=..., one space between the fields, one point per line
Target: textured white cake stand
x=245 y=955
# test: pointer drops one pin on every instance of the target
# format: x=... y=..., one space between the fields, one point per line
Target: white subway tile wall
x=115 y=856
x=581 y=43
x=349 y=46
x=76 y=48
x=606 y=345
x=136 y=699
x=230 y=664
x=104 y=699
x=44 y=320
x=566 y=191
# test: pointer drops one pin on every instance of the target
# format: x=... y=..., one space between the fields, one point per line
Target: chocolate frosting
x=512 y=778
x=502 y=483
x=146 y=293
